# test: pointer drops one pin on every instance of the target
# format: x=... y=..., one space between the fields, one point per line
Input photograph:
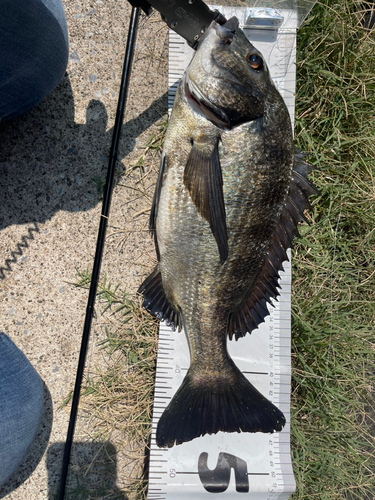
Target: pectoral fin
x=203 y=180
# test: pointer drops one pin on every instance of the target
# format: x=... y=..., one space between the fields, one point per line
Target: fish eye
x=254 y=61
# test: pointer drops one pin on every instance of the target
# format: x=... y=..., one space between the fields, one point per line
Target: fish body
x=222 y=222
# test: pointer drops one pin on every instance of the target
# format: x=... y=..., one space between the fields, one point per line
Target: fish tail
x=198 y=409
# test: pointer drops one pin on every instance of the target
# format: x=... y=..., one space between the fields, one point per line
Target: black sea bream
x=229 y=196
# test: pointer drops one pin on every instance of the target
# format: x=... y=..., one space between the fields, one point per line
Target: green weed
x=333 y=304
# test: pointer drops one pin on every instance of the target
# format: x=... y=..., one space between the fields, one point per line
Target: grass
x=333 y=300
x=333 y=263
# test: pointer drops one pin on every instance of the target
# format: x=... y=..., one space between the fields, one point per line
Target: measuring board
x=233 y=465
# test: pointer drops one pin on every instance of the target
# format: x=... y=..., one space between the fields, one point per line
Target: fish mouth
x=227 y=30
x=204 y=106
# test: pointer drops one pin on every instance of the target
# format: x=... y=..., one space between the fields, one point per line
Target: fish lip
x=227 y=30
x=205 y=106
x=224 y=31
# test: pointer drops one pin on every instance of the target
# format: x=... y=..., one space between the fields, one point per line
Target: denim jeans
x=21 y=406
x=33 y=53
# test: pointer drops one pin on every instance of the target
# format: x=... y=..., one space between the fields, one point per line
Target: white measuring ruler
x=232 y=465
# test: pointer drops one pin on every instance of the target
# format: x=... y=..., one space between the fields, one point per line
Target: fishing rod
x=190 y=19
x=100 y=242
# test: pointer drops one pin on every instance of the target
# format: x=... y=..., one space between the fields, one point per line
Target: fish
x=230 y=194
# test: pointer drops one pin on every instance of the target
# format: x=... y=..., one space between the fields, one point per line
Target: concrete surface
x=50 y=208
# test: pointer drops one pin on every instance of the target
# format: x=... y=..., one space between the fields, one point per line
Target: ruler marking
x=255 y=373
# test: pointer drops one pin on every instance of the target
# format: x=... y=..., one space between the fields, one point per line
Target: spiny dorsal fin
x=203 y=180
x=254 y=308
x=156 y=302
x=155 y=201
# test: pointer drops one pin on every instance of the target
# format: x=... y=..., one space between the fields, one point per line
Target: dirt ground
x=52 y=161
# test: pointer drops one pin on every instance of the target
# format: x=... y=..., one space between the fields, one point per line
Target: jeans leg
x=21 y=406
x=33 y=53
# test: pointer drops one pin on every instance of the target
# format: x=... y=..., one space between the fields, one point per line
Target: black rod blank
x=100 y=241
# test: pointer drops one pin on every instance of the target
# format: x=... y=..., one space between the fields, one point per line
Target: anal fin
x=156 y=302
x=253 y=309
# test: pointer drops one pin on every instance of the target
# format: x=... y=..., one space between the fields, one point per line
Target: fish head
x=228 y=79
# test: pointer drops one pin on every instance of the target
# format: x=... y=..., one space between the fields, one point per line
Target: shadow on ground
x=50 y=163
x=36 y=450
x=92 y=471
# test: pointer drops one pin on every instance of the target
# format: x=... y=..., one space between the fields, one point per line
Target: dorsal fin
x=203 y=180
x=254 y=308
x=156 y=302
x=155 y=201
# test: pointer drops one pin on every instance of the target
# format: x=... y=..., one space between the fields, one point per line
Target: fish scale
x=264 y=358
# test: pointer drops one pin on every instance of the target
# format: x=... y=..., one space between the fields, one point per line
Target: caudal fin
x=197 y=410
